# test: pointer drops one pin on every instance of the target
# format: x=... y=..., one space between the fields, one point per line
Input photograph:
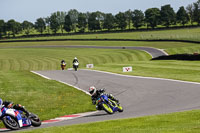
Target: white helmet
x=75 y=58
x=92 y=90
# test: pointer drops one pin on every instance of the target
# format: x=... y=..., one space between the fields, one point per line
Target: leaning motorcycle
x=15 y=119
x=75 y=65
x=108 y=105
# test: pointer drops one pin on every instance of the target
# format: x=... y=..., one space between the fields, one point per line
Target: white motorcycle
x=15 y=119
x=75 y=65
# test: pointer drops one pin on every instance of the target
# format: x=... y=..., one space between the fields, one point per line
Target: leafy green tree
x=40 y=25
x=68 y=23
x=2 y=28
x=137 y=18
x=167 y=15
x=27 y=27
x=93 y=22
x=54 y=24
x=128 y=15
x=152 y=17
x=120 y=20
x=13 y=27
x=189 y=10
x=182 y=16
x=109 y=21
x=196 y=12
x=73 y=13
x=82 y=22
x=100 y=17
x=61 y=19
x=47 y=22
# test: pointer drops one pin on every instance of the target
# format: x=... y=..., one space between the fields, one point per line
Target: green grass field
x=19 y=85
x=47 y=98
x=183 y=122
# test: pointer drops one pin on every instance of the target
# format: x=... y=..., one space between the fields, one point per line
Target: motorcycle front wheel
x=107 y=108
x=10 y=122
x=35 y=120
x=120 y=109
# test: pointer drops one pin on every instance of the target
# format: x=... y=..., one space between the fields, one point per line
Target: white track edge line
x=61 y=82
x=142 y=77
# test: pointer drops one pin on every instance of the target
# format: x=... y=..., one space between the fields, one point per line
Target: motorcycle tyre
x=10 y=126
x=35 y=120
x=120 y=109
x=107 y=108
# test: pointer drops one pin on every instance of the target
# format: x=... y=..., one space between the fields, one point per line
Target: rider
x=75 y=60
x=63 y=62
x=9 y=104
x=96 y=93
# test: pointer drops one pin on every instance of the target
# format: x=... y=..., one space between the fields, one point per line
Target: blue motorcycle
x=108 y=105
x=15 y=119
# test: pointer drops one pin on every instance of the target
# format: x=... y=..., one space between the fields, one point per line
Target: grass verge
x=47 y=98
x=183 y=122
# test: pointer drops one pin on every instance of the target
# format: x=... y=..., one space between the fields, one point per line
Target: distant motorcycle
x=108 y=105
x=63 y=65
x=15 y=119
x=75 y=65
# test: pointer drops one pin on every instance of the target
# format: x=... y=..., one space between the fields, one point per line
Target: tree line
x=74 y=21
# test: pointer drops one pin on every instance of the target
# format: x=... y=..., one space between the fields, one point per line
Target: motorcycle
x=108 y=105
x=75 y=65
x=15 y=119
x=63 y=65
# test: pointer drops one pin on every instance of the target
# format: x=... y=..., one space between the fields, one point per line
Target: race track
x=138 y=95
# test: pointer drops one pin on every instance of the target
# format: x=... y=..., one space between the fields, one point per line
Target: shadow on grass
x=186 y=57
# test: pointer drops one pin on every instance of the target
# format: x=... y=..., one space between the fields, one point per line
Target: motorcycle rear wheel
x=11 y=123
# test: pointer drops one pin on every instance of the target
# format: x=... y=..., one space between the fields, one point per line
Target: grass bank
x=184 y=122
x=47 y=98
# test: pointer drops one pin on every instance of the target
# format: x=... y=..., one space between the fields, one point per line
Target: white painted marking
x=41 y=75
x=61 y=82
x=190 y=82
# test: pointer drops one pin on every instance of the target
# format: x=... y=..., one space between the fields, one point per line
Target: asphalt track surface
x=139 y=96
x=154 y=52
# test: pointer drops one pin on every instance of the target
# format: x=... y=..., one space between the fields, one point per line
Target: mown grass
x=179 y=70
x=49 y=58
x=47 y=98
x=184 y=122
x=161 y=45
x=192 y=34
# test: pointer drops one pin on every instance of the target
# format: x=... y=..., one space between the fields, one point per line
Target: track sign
x=90 y=66
x=127 y=69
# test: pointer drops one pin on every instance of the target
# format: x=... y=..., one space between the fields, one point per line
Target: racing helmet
x=92 y=90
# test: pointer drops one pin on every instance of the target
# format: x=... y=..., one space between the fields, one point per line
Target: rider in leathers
x=9 y=104
x=96 y=93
